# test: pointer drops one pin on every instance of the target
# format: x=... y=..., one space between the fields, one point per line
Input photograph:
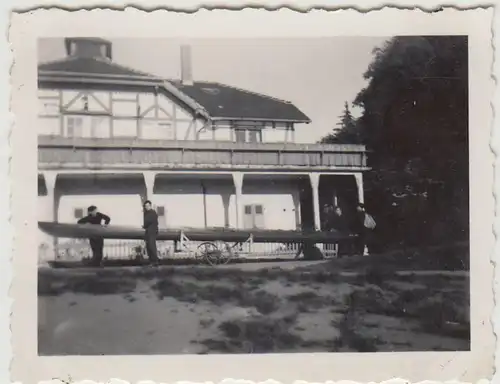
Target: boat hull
x=79 y=231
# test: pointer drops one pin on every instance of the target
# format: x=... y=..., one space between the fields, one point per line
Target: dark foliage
x=348 y=131
x=415 y=125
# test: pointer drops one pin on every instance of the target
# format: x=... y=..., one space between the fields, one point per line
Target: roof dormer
x=88 y=47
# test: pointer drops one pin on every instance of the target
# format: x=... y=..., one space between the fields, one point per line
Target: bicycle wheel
x=209 y=252
x=226 y=253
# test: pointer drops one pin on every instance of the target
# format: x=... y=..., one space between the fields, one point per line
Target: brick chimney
x=186 y=69
x=88 y=47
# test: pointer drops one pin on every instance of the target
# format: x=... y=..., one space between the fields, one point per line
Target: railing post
x=238 y=187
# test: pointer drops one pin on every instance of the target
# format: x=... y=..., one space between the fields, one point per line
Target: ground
x=321 y=306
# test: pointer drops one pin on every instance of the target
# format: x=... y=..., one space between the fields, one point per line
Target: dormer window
x=248 y=135
x=88 y=47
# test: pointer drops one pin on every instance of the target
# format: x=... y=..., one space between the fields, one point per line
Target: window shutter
x=240 y=135
x=259 y=217
x=248 y=217
x=78 y=213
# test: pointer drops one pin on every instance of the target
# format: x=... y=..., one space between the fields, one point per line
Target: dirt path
x=244 y=308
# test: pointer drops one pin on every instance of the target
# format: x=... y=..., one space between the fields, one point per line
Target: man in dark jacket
x=96 y=243
x=151 y=227
x=337 y=222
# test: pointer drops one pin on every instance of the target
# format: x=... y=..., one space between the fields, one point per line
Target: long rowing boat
x=80 y=231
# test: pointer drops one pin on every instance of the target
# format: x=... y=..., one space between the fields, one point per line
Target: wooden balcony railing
x=86 y=153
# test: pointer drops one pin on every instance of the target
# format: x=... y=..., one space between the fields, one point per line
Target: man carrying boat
x=96 y=243
x=151 y=227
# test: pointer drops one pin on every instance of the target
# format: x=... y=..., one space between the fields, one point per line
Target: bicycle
x=218 y=253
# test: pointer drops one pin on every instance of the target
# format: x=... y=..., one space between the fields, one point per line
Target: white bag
x=370 y=222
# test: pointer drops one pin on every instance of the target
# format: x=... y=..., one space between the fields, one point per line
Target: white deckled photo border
x=26 y=28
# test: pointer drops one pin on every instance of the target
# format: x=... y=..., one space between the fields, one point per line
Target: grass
x=453 y=257
x=432 y=310
x=217 y=294
x=260 y=335
x=91 y=285
x=288 y=305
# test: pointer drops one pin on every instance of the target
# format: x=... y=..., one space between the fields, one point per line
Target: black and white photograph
x=254 y=195
x=328 y=195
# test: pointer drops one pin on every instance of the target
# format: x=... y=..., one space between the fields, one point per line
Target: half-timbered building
x=207 y=154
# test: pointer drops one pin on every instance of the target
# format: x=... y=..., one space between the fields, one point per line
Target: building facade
x=207 y=154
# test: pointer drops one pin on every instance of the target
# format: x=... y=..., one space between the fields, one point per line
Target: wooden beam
x=85 y=113
x=138 y=126
x=61 y=118
x=107 y=109
x=73 y=100
x=111 y=120
x=156 y=105
x=190 y=127
x=174 y=120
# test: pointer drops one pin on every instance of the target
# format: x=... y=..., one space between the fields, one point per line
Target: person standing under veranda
x=151 y=228
x=337 y=222
x=96 y=243
x=363 y=227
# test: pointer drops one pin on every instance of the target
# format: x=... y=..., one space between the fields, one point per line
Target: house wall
x=185 y=203
x=104 y=114
x=123 y=209
x=276 y=198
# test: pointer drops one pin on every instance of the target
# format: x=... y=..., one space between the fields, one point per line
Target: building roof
x=90 y=66
x=224 y=101
x=219 y=101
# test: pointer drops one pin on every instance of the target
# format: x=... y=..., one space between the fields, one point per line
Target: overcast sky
x=317 y=75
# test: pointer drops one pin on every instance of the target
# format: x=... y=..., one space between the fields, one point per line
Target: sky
x=317 y=74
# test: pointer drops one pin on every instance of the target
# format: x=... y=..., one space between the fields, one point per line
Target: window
x=254 y=216
x=248 y=135
x=50 y=108
x=240 y=135
x=167 y=129
x=160 y=130
x=253 y=136
x=78 y=212
x=74 y=126
x=99 y=126
x=160 y=211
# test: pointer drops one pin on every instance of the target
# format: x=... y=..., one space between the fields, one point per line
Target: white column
x=50 y=185
x=359 y=184
x=149 y=181
x=53 y=202
x=296 y=209
x=238 y=187
x=314 y=177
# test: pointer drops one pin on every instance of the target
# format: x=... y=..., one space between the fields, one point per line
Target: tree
x=346 y=120
x=415 y=124
x=348 y=132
